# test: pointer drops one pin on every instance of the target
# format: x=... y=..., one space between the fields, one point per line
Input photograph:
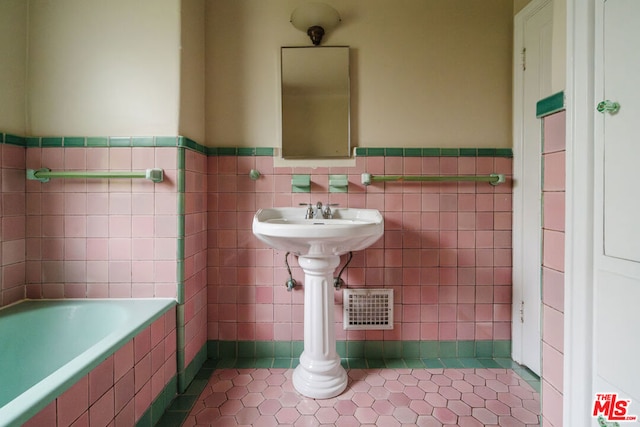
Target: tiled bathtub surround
x=192 y=254
x=446 y=250
x=133 y=386
x=99 y=238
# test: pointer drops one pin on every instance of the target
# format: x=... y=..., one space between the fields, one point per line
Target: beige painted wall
x=192 y=83
x=424 y=72
x=13 y=47
x=103 y=67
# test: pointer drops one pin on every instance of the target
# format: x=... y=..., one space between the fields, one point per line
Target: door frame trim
x=579 y=219
x=518 y=241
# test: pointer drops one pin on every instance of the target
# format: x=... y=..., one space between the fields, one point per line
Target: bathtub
x=48 y=345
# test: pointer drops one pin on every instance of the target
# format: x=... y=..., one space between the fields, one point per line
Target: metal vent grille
x=368 y=309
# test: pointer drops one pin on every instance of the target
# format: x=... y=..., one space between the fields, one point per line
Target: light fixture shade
x=310 y=15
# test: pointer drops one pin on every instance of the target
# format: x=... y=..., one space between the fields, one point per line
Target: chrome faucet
x=319 y=212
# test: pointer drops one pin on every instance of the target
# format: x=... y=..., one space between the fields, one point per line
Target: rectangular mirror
x=315 y=102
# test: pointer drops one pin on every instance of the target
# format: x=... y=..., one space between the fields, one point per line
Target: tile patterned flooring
x=374 y=397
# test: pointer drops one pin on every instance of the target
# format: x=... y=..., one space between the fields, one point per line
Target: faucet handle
x=309 y=213
x=327 y=211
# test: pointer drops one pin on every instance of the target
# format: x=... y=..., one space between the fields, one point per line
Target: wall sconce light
x=315 y=19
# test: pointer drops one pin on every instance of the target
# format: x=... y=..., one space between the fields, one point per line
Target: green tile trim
x=185 y=142
x=551 y=104
x=430 y=152
x=10 y=139
x=142 y=141
x=166 y=141
x=51 y=142
x=434 y=152
x=394 y=152
x=413 y=152
x=373 y=349
x=264 y=151
x=73 y=141
x=450 y=152
x=33 y=141
x=119 y=141
x=98 y=141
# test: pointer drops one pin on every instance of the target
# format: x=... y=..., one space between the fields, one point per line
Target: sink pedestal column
x=319 y=374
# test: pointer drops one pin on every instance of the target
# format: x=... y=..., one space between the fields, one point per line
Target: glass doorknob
x=608 y=106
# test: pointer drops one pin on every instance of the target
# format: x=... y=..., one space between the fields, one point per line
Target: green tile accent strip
x=73 y=141
x=51 y=142
x=97 y=141
x=549 y=105
x=159 y=406
x=434 y=152
x=413 y=152
x=166 y=141
x=119 y=141
x=33 y=142
x=365 y=349
x=7 y=138
x=142 y=141
x=185 y=142
x=301 y=183
x=393 y=152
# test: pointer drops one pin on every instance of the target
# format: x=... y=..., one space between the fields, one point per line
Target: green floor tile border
x=160 y=405
x=177 y=413
x=364 y=349
x=549 y=105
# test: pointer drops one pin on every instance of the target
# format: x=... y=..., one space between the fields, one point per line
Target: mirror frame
x=345 y=76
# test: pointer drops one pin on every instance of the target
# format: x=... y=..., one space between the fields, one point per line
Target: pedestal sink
x=318 y=243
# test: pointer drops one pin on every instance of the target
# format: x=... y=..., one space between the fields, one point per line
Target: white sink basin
x=318 y=244
x=288 y=230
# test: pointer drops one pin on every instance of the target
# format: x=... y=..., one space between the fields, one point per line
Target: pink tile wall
x=121 y=389
x=553 y=268
x=13 y=230
x=195 y=256
x=101 y=238
x=446 y=250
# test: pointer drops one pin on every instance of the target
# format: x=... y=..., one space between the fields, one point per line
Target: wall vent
x=368 y=309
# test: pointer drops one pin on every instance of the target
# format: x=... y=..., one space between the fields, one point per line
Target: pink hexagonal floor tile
x=459 y=407
x=287 y=415
x=269 y=407
x=423 y=397
x=498 y=407
x=345 y=407
x=445 y=415
x=327 y=415
x=307 y=407
x=362 y=400
x=421 y=407
x=441 y=380
x=366 y=415
x=405 y=415
x=247 y=416
x=436 y=400
x=484 y=415
x=383 y=407
x=524 y=415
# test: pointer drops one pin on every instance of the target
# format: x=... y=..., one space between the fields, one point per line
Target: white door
x=617 y=201
x=532 y=82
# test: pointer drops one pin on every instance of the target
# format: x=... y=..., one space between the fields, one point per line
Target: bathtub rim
x=33 y=400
